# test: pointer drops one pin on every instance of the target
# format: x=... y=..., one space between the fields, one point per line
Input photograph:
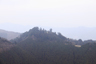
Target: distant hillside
x=38 y=34
x=8 y=34
x=5 y=44
x=38 y=46
x=44 y=35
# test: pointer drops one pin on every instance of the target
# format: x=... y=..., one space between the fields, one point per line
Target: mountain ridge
x=38 y=46
x=43 y=34
x=8 y=34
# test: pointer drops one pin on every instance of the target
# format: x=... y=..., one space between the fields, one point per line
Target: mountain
x=44 y=35
x=38 y=46
x=8 y=34
x=40 y=35
x=83 y=33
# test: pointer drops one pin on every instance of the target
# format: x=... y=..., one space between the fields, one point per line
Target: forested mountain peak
x=39 y=46
x=41 y=35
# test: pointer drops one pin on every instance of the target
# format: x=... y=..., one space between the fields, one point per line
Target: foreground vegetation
x=39 y=46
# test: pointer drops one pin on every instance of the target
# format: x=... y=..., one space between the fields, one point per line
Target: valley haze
x=47 y=31
x=65 y=16
x=84 y=33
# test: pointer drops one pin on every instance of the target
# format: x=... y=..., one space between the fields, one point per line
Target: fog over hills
x=39 y=46
x=8 y=34
x=83 y=33
x=50 y=32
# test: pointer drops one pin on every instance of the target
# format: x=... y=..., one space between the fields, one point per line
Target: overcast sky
x=22 y=15
x=51 y=13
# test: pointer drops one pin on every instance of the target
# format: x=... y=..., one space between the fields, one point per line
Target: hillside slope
x=8 y=34
x=39 y=46
x=5 y=45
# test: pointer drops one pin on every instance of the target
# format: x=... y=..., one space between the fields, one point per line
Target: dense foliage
x=39 y=46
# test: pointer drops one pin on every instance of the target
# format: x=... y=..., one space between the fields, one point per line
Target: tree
x=50 y=30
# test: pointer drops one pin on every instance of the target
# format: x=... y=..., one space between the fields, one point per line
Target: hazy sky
x=54 y=13
x=21 y=15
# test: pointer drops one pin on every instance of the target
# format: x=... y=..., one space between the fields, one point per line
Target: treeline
x=38 y=46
